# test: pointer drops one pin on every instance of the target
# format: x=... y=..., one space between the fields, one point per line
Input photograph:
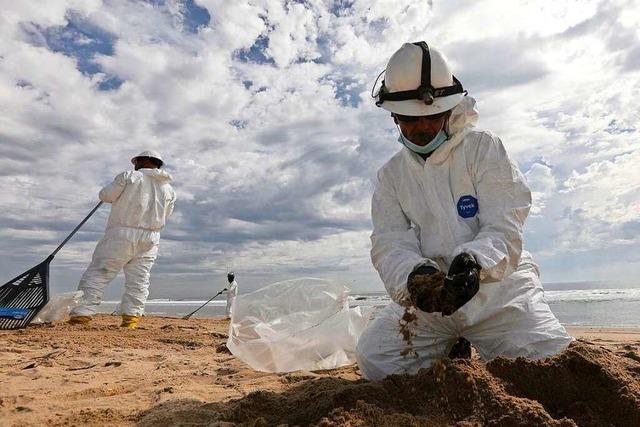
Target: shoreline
x=605 y=333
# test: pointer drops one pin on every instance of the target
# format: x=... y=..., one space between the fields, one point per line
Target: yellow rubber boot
x=80 y=320
x=130 y=322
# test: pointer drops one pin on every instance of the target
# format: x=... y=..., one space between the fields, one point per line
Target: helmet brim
x=415 y=107
x=133 y=160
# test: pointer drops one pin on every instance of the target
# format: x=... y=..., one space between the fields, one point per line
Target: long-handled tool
x=193 y=312
x=24 y=296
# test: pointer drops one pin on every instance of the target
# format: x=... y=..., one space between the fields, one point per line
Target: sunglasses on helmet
x=402 y=118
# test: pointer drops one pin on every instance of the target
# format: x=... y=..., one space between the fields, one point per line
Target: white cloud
x=542 y=184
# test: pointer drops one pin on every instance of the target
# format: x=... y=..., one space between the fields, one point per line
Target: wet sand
x=178 y=372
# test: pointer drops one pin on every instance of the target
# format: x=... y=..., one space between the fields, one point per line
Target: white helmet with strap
x=418 y=82
x=149 y=153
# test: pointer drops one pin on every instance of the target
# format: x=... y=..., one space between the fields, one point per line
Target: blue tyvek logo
x=467 y=206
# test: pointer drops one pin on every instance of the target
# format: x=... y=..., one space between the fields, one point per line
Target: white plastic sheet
x=300 y=324
x=58 y=307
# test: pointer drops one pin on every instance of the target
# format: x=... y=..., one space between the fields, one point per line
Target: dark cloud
x=617 y=37
x=497 y=64
x=631 y=60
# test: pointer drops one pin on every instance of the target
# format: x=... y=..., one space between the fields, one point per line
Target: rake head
x=24 y=296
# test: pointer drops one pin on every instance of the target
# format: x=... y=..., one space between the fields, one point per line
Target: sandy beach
x=178 y=372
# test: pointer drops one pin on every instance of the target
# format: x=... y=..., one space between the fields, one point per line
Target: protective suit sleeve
x=111 y=192
x=395 y=250
x=504 y=200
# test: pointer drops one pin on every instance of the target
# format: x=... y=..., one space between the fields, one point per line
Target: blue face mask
x=436 y=142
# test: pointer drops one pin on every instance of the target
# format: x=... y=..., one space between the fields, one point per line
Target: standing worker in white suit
x=141 y=201
x=448 y=212
x=232 y=293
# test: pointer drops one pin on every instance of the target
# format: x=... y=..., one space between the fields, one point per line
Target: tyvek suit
x=141 y=201
x=232 y=293
x=466 y=197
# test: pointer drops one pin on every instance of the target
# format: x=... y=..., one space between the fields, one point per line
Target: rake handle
x=193 y=312
x=75 y=230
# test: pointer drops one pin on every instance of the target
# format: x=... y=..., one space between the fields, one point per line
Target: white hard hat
x=418 y=82
x=148 y=153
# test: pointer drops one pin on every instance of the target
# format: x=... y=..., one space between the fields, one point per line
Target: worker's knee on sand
x=527 y=330
x=376 y=365
x=369 y=354
x=368 y=368
x=517 y=345
x=377 y=361
x=382 y=350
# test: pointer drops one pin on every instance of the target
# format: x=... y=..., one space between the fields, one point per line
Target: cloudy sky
x=262 y=111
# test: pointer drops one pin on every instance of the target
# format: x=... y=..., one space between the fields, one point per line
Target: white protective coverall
x=232 y=292
x=466 y=197
x=141 y=201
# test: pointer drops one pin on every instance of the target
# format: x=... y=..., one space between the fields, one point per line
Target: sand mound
x=586 y=385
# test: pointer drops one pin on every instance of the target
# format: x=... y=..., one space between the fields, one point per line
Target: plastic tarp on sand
x=300 y=324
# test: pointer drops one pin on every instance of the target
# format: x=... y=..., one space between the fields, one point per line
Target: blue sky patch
x=341 y=7
x=616 y=128
x=256 y=53
x=239 y=124
x=194 y=16
x=347 y=90
x=81 y=40
x=110 y=83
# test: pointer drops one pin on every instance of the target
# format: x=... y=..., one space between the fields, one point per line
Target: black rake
x=22 y=297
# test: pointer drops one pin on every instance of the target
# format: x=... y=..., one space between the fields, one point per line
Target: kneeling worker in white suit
x=141 y=201
x=450 y=201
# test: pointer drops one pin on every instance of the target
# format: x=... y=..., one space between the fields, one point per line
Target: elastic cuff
x=426 y=263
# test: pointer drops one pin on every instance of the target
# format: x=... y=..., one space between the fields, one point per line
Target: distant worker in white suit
x=448 y=211
x=232 y=292
x=141 y=201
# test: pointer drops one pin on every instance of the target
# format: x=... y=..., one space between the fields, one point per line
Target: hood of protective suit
x=462 y=120
x=157 y=174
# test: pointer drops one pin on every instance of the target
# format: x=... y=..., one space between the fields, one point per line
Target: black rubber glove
x=461 y=284
x=425 y=285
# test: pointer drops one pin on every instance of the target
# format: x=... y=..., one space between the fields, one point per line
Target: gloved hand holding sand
x=426 y=286
x=461 y=284
x=431 y=291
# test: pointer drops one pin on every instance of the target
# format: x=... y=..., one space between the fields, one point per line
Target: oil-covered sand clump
x=586 y=385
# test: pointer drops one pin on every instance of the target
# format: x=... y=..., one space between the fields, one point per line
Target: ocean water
x=577 y=304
